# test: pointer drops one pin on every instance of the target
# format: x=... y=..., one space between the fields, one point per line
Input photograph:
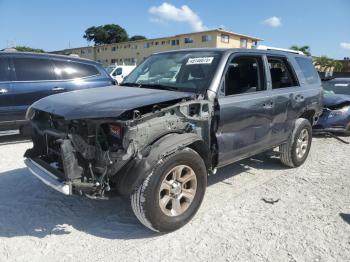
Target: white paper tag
x=200 y=60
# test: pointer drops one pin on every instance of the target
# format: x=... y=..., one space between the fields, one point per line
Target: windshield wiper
x=158 y=86
x=130 y=84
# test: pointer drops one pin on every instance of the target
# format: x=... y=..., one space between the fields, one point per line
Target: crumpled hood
x=330 y=100
x=110 y=101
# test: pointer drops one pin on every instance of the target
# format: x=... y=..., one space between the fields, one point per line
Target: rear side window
x=281 y=73
x=32 y=69
x=4 y=70
x=308 y=69
x=70 y=70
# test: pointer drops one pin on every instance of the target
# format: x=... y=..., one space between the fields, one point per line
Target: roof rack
x=264 y=47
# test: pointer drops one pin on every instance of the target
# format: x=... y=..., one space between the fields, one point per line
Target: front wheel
x=296 y=150
x=172 y=193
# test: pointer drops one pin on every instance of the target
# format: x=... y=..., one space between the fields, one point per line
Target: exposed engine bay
x=90 y=154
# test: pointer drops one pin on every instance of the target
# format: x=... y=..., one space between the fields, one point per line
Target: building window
x=113 y=48
x=206 y=38
x=225 y=38
x=98 y=50
x=163 y=42
x=188 y=40
x=156 y=43
x=133 y=60
x=254 y=44
x=113 y=61
x=82 y=51
x=243 y=43
x=146 y=45
x=134 y=46
x=175 y=42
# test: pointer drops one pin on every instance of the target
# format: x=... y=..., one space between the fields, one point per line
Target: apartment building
x=136 y=51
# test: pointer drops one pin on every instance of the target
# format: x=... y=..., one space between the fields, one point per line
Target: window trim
x=221 y=94
x=11 y=71
x=289 y=67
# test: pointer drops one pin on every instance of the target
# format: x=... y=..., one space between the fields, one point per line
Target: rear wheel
x=296 y=150
x=172 y=193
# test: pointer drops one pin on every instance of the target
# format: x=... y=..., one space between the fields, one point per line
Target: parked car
x=158 y=137
x=337 y=86
x=336 y=112
x=28 y=77
x=119 y=72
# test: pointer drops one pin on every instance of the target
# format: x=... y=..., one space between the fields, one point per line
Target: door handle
x=57 y=88
x=3 y=91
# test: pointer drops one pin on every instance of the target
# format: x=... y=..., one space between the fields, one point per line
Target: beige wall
x=136 y=51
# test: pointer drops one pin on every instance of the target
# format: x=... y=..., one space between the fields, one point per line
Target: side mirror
x=114 y=74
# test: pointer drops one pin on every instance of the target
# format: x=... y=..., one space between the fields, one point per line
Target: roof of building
x=174 y=36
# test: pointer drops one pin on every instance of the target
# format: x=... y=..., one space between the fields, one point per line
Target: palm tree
x=305 y=49
x=323 y=63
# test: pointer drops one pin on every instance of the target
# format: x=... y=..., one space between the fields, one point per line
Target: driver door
x=246 y=109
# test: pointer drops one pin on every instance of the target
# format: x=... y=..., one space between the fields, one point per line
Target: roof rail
x=264 y=47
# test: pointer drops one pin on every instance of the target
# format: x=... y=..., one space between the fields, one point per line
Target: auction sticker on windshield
x=200 y=60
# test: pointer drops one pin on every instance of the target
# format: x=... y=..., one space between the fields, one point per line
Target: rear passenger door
x=5 y=93
x=287 y=97
x=34 y=79
x=246 y=109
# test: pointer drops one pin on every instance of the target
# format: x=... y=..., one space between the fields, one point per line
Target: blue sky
x=54 y=25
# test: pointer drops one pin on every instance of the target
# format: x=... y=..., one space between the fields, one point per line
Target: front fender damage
x=116 y=153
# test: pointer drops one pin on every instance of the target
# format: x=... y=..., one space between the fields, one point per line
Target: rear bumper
x=48 y=178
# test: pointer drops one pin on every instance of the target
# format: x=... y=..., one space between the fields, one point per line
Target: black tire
x=288 y=151
x=145 y=200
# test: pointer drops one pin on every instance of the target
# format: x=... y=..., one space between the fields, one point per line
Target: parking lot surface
x=254 y=210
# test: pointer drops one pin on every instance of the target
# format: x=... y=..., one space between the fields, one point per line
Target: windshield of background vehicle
x=189 y=71
x=337 y=87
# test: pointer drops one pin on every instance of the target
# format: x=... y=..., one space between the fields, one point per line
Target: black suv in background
x=28 y=77
x=180 y=115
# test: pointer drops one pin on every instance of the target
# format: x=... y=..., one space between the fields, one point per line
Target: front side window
x=244 y=74
x=190 y=71
x=4 y=70
x=71 y=70
x=308 y=69
x=225 y=38
x=33 y=69
x=281 y=73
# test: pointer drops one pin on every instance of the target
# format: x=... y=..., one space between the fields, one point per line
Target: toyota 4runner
x=175 y=119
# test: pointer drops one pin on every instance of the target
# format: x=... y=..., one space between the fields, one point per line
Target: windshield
x=109 y=69
x=335 y=87
x=190 y=71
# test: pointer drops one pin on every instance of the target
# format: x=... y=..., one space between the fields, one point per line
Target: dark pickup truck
x=175 y=119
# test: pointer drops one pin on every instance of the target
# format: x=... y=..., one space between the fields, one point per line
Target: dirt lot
x=309 y=222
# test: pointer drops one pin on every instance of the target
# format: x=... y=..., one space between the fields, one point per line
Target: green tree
x=106 y=34
x=305 y=49
x=137 y=37
x=325 y=63
x=28 y=49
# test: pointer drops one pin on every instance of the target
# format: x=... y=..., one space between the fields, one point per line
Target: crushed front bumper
x=48 y=177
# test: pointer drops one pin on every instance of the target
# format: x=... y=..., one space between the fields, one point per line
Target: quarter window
x=244 y=75
x=308 y=69
x=4 y=70
x=70 y=70
x=281 y=73
x=32 y=69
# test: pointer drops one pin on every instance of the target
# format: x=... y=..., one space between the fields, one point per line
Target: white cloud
x=345 y=45
x=273 y=21
x=169 y=13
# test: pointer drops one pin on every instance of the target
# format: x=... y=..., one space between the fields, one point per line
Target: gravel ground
x=309 y=221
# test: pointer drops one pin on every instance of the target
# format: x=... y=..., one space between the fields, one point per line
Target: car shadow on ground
x=13 y=139
x=30 y=208
x=345 y=217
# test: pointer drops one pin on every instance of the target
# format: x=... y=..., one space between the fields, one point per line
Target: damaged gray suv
x=175 y=119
